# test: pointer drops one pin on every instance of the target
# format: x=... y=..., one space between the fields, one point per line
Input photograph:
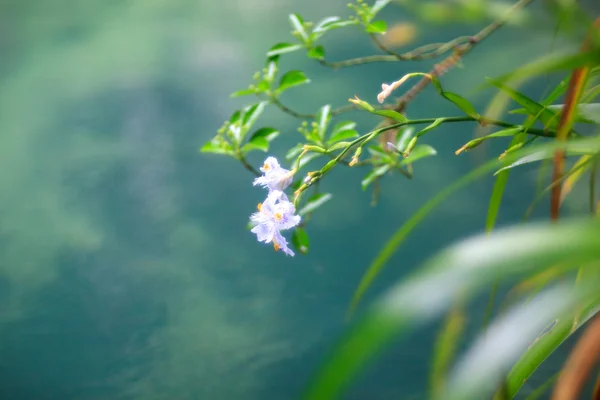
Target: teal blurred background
x=126 y=270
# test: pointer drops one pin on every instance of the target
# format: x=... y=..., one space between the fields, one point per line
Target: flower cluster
x=276 y=213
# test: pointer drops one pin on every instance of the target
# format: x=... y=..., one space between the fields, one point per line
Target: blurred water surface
x=126 y=271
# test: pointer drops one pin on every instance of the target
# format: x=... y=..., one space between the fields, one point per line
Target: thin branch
x=428 y=51
x=362 y=140
x=459 y=52
x=287 y=110
x=247 y=165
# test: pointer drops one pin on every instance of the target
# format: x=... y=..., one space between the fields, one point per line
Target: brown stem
x=459 y=51
x=580 y=364
x=567 y=117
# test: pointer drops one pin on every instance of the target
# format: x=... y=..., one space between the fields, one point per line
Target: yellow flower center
x=266 y=166
x=278 y=216
x=259 y=206
x=275 y=246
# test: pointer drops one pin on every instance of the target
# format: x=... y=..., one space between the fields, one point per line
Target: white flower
x=275 y=214
x=275 y=177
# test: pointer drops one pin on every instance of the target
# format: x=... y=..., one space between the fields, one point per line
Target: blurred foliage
x=520 y=338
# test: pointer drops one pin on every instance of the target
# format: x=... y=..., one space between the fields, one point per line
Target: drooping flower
x=275 y=177
x=274 y=215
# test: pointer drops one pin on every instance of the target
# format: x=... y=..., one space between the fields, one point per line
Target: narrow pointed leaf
x=491 y=356
x=342 y=135
x=323 y=117
x=268 y=133
x=375 y=173
x=420 y=151
x=315 y=202
x=547 y=117
x=298 y=25
x=283 y=48
x=464 y=268
x=392 y=245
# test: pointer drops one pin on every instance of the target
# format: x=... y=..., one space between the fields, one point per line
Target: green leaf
x=458 y=100
x=283 y=48
x=496 y=200
x=256 y=143
x=294 y=151
x=250 y=114
x=395 y=115
x=491 y=356
x=587 y=113
x=342 y=126
x=298 y=25
x=323 y=118
x=404 y=137
x=317 y=52
x=552 y=63
x=338 y=145
x=431 y=126
x=547 y=117
x=330 y=23
x=379 y=152
x=546 y=344
x=576 y=149
x=300 y=240
x=241 y=93
x=268 y=133
x=217 y=146
x=290 y=79
x=464 y=268
x=315 y=202
x=498 y=189
x=375 y=173
x=445 y=348
x=462 y=103
x=308 y=158
x=342 y=135
x=501 y=133
x=420 y=151
x=391 y=246
x=377 y=27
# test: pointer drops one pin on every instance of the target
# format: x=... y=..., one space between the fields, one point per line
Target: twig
x=287 y=110
x=460 y=51
x=247 y=165
x=362 y=140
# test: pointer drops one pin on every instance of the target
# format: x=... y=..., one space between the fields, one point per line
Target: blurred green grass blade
x=545 y=115
x=390 y=247
x=546 y=344
x=586 y=164
x=445 y=348
x=464 y=268
x=552 y=63
x=544 y=155
x=542 y=389
x=551 y=340
x=496 y=200
x=479 y=372
x=575 y=175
